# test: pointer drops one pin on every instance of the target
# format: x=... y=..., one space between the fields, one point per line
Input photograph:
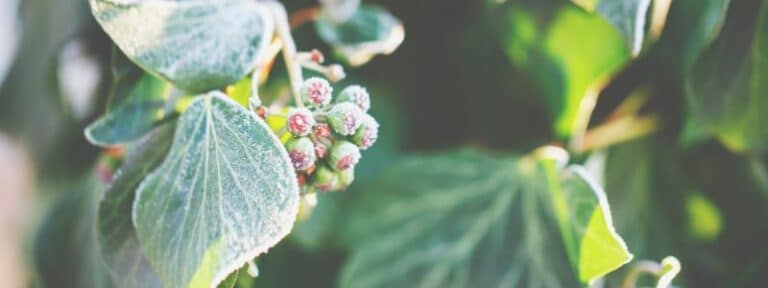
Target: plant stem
x=283 y=30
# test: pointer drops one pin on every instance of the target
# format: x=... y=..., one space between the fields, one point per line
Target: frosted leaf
x=198 y=45
x=225 y=193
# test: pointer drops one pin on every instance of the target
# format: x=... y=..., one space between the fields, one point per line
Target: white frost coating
x=198 y=45
x=225 y=193
x=602 y=200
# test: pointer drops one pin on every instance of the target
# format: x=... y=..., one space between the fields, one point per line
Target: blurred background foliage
x=673 y=126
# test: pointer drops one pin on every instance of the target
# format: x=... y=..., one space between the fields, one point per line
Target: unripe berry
x=302 y=153
x=355 y=94
x=368 y=132
x=343 y=156
x=320 y=150
x=346 y=177
x=345 y=118
x=300 y=121
x=322 y=131
x=316 y=92
x=325 y=179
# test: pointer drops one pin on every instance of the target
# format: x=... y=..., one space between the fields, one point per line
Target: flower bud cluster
x=328 y=135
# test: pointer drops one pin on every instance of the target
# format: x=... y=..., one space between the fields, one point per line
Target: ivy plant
x=209 y=181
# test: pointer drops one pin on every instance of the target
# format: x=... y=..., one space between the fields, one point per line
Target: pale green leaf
x=369 y=31
x=197 y=45
x=225 y=193
x=469 y=220
x=726 y=87
x=569 y=52
x=117 y=237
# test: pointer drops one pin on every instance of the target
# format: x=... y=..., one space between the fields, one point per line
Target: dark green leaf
x=197 y=45
x=727 y=86
x=690 y=27
x=467 y=219
x=119 y=244
x=569 y=53
x=225 y=193
x=368 y=32
x=146 y=105
x=66 y=244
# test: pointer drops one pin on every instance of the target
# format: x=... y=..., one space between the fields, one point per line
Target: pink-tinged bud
x=343 y=156
x=325 y=179
x=322 y=131
x=316 y=92
x=302 y=153
x=355 y=94
x=320 y=150
x=300 y=121
x=345 y=118
x=368 y=133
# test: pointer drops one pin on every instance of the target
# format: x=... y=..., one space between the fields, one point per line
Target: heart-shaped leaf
x=198 y=45
x=467 y=219
x=369 y=31
x=225 y=193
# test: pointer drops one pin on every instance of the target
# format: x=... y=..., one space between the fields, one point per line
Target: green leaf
x=225 y=193
x=568 y=52
x=628 y=17
x=368 y=32
x=198 y=45
x=467 y=219
x=726 y=88
x=117 y=237
x=134 y=110
x=340 y=10
x=65 y=248
x=690 y=27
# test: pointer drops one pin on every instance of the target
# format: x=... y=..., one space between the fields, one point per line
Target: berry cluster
x=328 y=135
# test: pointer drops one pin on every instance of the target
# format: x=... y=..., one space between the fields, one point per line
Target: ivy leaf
x=547 y=39
x=65 y=252
x=225 y=193
x=198 y=45
x=340 y=10
x=468 y=219
x=690 y=27
x=369 y=31
x=117 y=237
x=726 y=88
x=628 y=17
x=138 y=102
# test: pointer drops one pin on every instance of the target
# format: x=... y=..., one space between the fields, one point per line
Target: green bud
x=299 y=121
x=355 y=94
x=316 y=92
x=343 y=156
x=302 y=153
x=325 y=179
x=346 y=177
x=368 y=132
x=345 y=118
